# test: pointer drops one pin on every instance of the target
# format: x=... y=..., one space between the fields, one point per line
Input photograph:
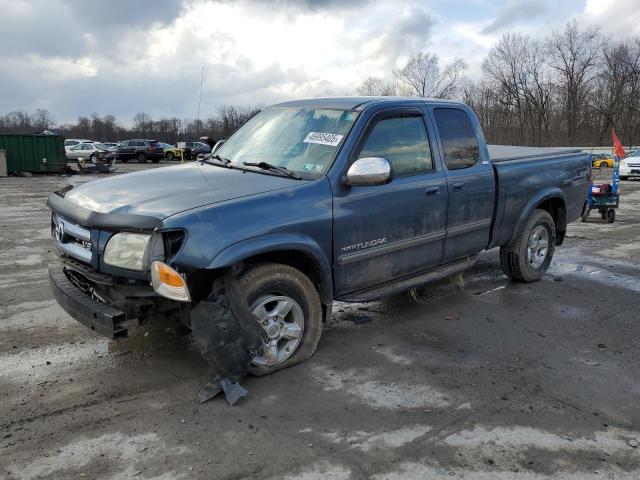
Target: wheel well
x=558 y=211
x=299 y=261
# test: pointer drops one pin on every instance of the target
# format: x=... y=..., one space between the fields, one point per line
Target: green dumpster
x=34 y=153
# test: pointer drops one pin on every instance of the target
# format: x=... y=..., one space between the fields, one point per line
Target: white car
x=88 y=151
x=69 y=143
x=630 y=165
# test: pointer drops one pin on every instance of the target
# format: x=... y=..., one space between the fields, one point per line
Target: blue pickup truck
x=310 y=201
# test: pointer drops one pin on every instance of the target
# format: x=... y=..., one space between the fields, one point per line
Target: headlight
x=127 y=250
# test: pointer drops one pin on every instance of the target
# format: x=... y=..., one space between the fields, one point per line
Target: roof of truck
x=356 y=103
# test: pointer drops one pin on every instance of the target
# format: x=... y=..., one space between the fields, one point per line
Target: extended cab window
x=403 y=142
x=459 y=141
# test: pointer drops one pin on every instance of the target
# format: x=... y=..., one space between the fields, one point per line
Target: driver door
x=385 y=232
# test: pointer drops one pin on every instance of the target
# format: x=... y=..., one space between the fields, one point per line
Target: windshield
x=635 y=154
x=300 y=139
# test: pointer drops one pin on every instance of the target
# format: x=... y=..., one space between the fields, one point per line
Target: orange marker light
x=169 y=283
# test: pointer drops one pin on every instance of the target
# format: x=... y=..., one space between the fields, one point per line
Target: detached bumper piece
x=104 y=319
x=228 y=337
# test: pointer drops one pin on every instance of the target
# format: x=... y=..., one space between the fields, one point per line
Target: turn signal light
x=169 y=283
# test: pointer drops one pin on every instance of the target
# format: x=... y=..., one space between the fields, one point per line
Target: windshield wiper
x=273 y=168
x=223 y=161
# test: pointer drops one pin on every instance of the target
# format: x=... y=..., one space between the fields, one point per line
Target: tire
x=514 y=258
x=603 y=213
x=624 y=177
x=93 y=158
x=267 y=281
x=124 y=160
x=142 y=158
x=170 y=156
x=155 y=160
x=611 y=215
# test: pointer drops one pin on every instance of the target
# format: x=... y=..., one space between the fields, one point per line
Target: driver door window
x=403 y=142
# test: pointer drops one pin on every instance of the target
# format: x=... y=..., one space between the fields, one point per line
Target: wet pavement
x=477 y=378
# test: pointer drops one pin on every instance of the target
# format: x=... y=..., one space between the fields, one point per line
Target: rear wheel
x=170 y=156
x=287 y=306
x=611 y=215
x=526 y=258
x=155 y=160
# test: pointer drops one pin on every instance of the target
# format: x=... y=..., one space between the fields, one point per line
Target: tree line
x=569 y=88
x=106 y=128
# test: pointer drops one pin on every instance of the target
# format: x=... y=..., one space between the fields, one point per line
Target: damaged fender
x=228 y=337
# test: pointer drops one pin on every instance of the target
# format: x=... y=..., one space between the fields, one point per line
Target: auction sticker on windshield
x=332 y=139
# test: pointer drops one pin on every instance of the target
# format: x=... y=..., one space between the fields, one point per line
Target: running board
x=407 y=283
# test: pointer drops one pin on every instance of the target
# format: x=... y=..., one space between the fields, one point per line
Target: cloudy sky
x=75 y=57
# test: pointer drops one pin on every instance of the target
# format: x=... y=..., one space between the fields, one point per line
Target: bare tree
x=421 y=76
x=575 y=55
x=42 y=120
x=377 y=87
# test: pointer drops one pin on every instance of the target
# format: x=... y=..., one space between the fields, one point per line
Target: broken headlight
x=127 y=250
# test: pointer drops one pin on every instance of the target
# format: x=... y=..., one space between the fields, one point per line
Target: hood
x=162 y=192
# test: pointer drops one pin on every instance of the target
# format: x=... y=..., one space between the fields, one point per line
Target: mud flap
x=228 y=337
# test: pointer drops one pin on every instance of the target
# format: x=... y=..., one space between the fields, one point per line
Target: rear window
x=459 y=141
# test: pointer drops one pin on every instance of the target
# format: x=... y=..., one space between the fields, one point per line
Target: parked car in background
x=141 y=150
x=171 y=152
x=630 y=165
x=69 y=143
x=602 y=160
x=89 y=151
x=193 y=149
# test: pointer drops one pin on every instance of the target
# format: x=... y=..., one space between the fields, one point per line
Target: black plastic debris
x=228 y=337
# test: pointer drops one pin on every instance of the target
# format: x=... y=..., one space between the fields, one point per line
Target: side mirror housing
x=369 y=171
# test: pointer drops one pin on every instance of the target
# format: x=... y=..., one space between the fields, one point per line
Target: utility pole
x=200 y=103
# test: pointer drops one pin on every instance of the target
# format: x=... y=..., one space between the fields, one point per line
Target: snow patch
x=378 y=394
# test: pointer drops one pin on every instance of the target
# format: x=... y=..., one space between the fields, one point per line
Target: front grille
x=71 y=239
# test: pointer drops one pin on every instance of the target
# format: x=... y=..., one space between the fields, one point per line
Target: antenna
x=199 y=103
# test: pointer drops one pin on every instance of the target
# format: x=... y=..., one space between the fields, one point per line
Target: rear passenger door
x=389 y=231
x=471 y=183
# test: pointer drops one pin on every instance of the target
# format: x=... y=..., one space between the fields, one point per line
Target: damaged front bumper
x=100 y=317
x=222 y=326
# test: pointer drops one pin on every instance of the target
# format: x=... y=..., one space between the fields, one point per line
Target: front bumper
x=102 y=318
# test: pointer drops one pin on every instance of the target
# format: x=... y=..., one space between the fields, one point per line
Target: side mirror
x=369 y=171
x=217 y=145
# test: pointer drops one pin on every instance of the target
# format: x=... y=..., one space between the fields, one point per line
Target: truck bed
x=499 y=153
x=563 y=172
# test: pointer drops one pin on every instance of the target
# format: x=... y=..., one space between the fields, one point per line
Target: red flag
x=617 y=145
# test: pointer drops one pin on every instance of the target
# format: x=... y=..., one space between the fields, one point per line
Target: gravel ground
x=487 y=381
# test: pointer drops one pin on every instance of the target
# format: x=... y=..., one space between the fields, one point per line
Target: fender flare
x=279 y=242
x=532 y=204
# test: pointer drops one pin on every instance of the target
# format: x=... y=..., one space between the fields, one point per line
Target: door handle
x=432 y=191
x=458 y=187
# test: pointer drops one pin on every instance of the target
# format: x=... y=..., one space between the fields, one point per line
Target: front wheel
x=624 y=177
x=526 y=258
x=287 y=306
x=170 y=156
x=142 y=158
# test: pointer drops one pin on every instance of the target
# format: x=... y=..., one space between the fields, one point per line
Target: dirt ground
x=488 y=381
